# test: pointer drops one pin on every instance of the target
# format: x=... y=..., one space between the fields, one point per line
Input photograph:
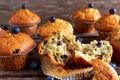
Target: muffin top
x=88 y=14
x=114 y=38
x=24 y=17
x=15 y=43
x=108 y=22
x=54 y=26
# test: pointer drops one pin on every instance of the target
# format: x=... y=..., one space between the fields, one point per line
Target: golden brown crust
x=86 y=14
x=104 y=71
x=10 y=43
x=108 y=22
x=55 y=27
x=24 y=17
x=81 y=59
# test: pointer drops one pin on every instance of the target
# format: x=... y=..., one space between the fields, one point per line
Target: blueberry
x=15 y=29
x=5 y=27
x=59 y=43
x=24 y=6
x=52 y=18
x=113 y=65
x=99 y=44
x=33 y=65
x=90 y=5
x=16 y=51
x=112 y=11
x=45 y=42
x=64 y=56
x=50 y=78
x=80 y=39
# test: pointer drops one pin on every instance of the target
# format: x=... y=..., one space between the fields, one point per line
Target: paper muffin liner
x=49 y=67
x=28 y=29
x=103 y=35
x=84 y=27
x=14 y=62
x=116 y=56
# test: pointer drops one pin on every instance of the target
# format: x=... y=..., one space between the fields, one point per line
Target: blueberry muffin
x=114 y=39
x=14 y=49
x=54 y=26
x=64 y=57
x=107 y=23
x=104 y=71
x=85 y=18
x=25 y=19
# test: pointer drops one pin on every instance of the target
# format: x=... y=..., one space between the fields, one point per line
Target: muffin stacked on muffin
x=85 y=18
x=54 y=26
x=14 y=48
x=62 y=56
x=114 y=39
x=107 y=23
x=25 y=19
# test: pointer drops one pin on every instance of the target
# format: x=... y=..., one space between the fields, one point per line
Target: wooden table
x=29 y=74
x=45 y=9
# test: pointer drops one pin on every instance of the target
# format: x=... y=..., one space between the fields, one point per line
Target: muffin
x=114 y=39
x=107 y=23
x=14 y=49
x=104 y=71
x=64 y=57
x=26 y=20
x=85 y=18
x=54 y=26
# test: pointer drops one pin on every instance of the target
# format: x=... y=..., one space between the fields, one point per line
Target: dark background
x=59 y=8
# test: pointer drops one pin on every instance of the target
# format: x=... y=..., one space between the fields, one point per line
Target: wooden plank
x=118 y=70
x=84 y=35
x=21 y=73
x=36 y=78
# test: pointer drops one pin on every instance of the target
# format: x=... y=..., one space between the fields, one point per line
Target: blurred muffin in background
x=85 y=18
x=114 y=39
x=107 y=23
x=25 y=19
x=54 y=26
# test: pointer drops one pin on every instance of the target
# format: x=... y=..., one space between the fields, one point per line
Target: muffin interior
x=65 y=49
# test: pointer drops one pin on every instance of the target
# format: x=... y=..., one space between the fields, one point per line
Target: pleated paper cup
x=116 y=56
x=84 y=27
x=50 y=67
x=14 y=62
x=103 y=35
